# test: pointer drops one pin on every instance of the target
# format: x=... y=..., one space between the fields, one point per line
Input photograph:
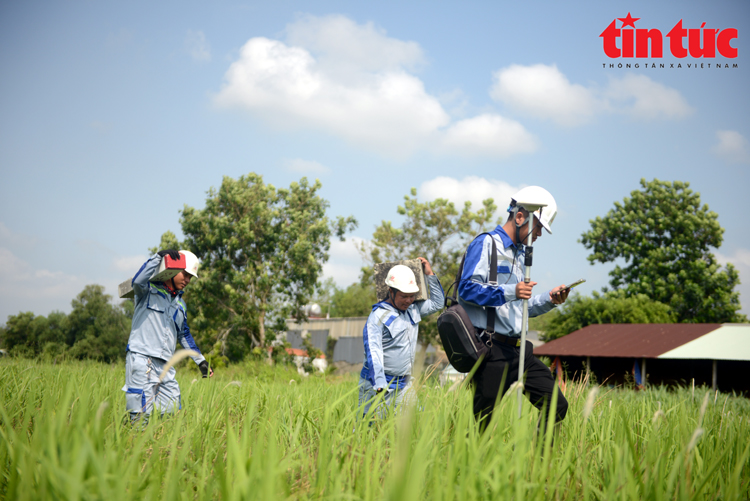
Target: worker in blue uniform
x=159 y=321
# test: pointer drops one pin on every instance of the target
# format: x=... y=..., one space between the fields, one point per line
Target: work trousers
x=392 y=398
x=500 y=369
x=143 y=390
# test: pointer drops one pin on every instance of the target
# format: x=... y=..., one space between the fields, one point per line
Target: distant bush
x=611 y=308
x=95 y=329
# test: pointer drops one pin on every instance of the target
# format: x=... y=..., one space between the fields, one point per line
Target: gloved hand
x=203 y=366
x=171 y=252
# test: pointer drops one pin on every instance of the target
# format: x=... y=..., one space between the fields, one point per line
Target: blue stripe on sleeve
x=132 y=282
x=370 y=376
x=473 y=255
x=188 y=337
x=473 y=291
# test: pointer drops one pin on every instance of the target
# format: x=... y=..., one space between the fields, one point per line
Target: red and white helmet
x=191 y=263
x=401 y=278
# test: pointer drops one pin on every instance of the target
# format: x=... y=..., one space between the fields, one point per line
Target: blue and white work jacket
x=474 y=291
x=390 y=338
x=159 y=319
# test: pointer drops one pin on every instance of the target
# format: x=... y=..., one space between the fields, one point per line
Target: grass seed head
x=100 y=412
x=703 y=409
x=179 y=355
x=694 y=440
x=589 y=406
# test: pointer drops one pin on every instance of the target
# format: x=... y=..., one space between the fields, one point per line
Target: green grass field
x=261 y=432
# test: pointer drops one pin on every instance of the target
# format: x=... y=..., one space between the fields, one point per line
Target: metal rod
x=525 y=317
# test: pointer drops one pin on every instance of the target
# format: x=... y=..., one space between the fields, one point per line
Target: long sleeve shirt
x=390 y=338
x=474 y=291
x=159 y=318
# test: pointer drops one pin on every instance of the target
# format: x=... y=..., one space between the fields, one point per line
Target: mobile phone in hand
x=577 y=282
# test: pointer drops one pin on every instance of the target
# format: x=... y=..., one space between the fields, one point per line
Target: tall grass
x=256 y=432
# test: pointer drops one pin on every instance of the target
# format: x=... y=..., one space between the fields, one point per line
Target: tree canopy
x=612 y=308
x=665 y=237
x=435 y=230
x=262 y=250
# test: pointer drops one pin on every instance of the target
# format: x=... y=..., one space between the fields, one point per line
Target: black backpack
x=463 y=347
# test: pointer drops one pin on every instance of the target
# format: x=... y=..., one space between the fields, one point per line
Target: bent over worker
x=159 y=321
x=390 y=336
x=500 y=367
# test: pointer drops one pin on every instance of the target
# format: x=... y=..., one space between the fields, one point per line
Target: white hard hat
x=191 y=263
x=400 y=277
x=536 y=195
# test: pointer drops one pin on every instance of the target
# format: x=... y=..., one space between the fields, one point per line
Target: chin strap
x=172 y=290
x=392 y=298
x=513 y=209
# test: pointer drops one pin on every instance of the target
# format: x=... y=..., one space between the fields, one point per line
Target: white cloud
x=641 y=97
x=545 y=92
x=490 y=135
x=306 y=167
x=344 y=46
x=24 y=287
x=353 y=81
x=197 y=46
x=472 y=189
x=741 y=260
x=732 y=147
x=11 y=267
x=345 y=261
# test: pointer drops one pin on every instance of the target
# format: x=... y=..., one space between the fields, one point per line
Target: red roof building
x=711 y=354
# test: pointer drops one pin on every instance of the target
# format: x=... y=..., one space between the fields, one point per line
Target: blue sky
x=113 y=115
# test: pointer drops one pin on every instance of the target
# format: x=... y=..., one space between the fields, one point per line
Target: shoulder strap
x=493 y=281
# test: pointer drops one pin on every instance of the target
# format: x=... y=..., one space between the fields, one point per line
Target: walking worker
x=159 y=321
x=500 y=367
x=390 y=337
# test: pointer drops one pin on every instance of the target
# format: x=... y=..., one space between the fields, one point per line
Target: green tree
x=262 y=251
x=664 y=235
x=97 y=329
x=26 y=334
x=435 y=230
x=354 y=301
x=168 y=241
x=612 y=308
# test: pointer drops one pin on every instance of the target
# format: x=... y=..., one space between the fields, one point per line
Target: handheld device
x=577 y=282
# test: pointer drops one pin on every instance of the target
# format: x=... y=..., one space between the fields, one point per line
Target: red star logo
x=628 y=21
